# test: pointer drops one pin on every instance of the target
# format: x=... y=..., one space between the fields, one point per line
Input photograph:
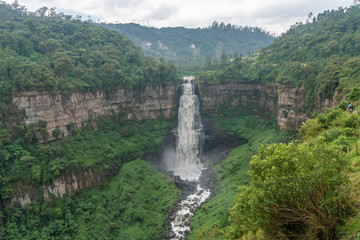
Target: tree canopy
x=320 y=56
x=185 y=46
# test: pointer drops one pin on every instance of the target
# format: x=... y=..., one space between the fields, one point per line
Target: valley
x=100 y=141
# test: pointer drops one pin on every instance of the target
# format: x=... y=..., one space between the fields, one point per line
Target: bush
x=296 y=190
x=311 y=128
x=353 y=121
x=354 y=95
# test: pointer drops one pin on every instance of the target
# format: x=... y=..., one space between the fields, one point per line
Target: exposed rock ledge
x=284 y=102
x=59 y=187
x=254 y=97
x=57 y=110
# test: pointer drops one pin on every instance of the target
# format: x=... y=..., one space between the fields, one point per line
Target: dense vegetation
x=134 y=205
x=67 y=54
x=53 y=52
x=298 y=190
x=26 y=162
x=320 y=56
x=188 y=47
x=232 y=171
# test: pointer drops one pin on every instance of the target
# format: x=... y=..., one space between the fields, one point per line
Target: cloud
x=275 y=16
x=162 y=12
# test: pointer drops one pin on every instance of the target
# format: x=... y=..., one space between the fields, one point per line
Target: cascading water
x=189 y=134
x=187 y=163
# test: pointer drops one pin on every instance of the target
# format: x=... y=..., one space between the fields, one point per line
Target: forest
x=52 y=52
x=321 y=56
x=307 y=188
x=190 y=49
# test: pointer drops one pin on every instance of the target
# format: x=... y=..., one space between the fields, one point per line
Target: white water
x=181 y=223
x=189 y=134
x=187 y=163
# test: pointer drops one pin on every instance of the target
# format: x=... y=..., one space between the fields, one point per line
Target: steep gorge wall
x=80 y=108
x=284 y=102
x=64 y=184
x=57 y=110
x=255 y=98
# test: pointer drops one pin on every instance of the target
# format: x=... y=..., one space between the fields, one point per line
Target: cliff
x=255 y=98
x=282 y=101
x=64 y=184
x=59 y=111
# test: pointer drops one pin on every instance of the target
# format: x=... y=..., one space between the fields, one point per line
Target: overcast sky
x=275 y=16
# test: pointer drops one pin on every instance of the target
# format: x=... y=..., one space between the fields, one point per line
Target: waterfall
x=187 y=165
x=189 y=134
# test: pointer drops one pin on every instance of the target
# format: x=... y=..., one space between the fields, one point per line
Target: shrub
x=296 y=190
x=311 y=128
x=353 y=121
x=354 y=95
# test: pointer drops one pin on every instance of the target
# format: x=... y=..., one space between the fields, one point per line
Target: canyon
x=150 y=102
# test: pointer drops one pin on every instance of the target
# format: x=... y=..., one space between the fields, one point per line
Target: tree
x=56 y=132
x=296 y=190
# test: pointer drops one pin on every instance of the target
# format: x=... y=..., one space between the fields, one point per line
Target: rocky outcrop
x=256 y=98
x=64 y=184
x=60 y=111
x=290 y=107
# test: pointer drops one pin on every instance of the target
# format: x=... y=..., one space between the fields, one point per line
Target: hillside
x=319 y=59
x=58 y=61
x=185 y=46
x=52 y=52
x=307 y=189
x=80 y=105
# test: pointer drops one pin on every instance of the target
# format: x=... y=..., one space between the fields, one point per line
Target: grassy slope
x=232 y=171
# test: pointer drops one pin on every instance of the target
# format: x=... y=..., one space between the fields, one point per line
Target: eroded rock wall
x=64 y=184
x=58 y=110
x=256 y=98
x=285 y=102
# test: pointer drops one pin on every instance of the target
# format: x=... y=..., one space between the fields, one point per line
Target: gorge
x=98 y=140
x=149 y=103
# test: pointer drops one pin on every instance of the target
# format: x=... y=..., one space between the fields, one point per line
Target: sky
x=274 y=16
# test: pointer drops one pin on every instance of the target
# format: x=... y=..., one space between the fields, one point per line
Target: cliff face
x=290 y=107
x=64 y=184
x=255 y=98
x=79 y=109
x=284 y=102
x=58 y=110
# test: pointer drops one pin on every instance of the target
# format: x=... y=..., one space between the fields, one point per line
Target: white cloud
x=275 y=16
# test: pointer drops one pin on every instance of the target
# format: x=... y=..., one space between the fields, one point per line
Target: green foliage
x=354 y=95
x=317 y=59
x=49 y=51
x=113 y=143
x=56 y=132
x=189 y=49
x=211 y=219
x=299 y=190
x=296 y=190
x=135 y=204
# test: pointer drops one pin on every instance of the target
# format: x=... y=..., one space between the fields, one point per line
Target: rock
x=58 y=110
x=171 y=235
